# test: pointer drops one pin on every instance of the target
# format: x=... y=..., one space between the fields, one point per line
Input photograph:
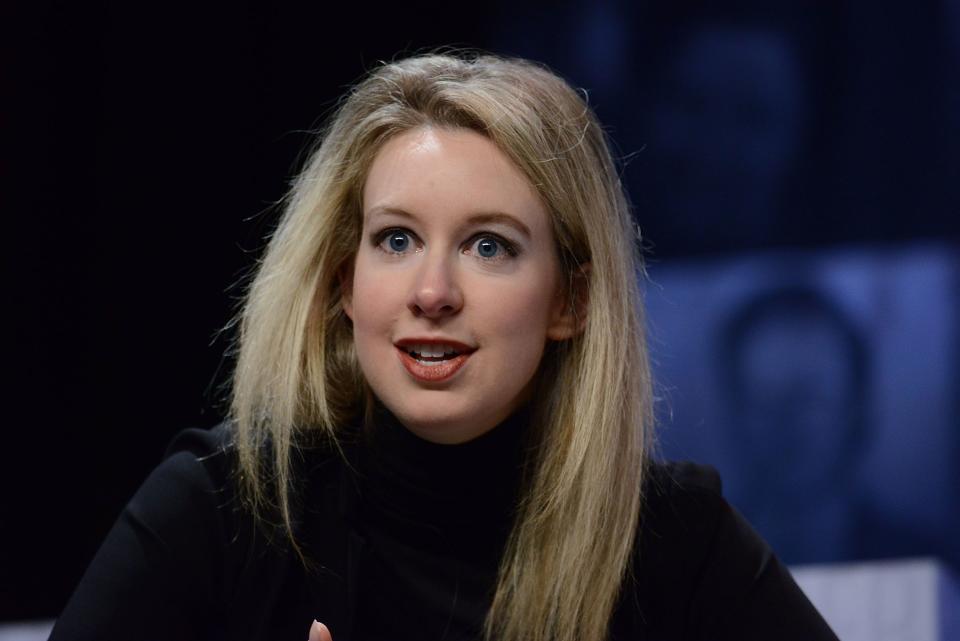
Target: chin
x=447 y=425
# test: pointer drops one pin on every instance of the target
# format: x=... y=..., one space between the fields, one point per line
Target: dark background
x=144 y=150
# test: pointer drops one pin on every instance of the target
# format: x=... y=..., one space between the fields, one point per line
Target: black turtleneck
x=404 y=539
x=434 y=519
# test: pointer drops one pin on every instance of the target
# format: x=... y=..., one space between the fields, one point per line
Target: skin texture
x=441 y=286
x=319 y=632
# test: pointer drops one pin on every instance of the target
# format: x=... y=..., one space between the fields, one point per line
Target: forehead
x=447 y=174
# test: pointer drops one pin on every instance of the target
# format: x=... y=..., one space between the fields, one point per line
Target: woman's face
x=456 y=285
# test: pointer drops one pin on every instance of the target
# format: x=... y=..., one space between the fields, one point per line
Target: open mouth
x=432 y=354
x=434 y=362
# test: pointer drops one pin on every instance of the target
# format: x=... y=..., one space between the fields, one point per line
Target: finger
x=319 y=632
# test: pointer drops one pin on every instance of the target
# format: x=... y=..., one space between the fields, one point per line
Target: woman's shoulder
x=189 y=557
x=191 y=480
x=701 y=571
x=212 y=453
x=682 y=508
x=664 y=477
x=682 y=513
x=192 y=502
x=199 y=481
x=200 y=474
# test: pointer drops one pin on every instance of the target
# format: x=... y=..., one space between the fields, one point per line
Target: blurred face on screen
x=799 y=399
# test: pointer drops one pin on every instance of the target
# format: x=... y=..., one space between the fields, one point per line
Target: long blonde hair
x=297 y=373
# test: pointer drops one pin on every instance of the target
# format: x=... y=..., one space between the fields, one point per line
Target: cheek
x=514 y=321
x=376 y=301
x=515 y=311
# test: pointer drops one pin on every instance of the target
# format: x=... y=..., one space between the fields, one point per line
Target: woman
x=441 y=415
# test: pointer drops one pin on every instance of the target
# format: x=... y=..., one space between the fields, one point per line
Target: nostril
x=424 y=308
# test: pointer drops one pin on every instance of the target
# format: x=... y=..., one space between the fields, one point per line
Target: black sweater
x=405 y=541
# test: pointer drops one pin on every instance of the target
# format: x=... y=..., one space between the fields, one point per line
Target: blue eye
x=487 y=247
x=398 y=241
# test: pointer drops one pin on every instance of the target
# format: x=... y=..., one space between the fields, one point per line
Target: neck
x=465 y=492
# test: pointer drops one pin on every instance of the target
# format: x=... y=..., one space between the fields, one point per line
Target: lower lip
x=442 y=371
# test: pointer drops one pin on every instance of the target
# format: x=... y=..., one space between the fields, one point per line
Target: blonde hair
x=573 y=538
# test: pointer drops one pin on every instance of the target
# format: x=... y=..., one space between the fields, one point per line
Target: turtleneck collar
x=463 y=494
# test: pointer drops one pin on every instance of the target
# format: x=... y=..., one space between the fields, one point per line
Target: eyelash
x=509 y=249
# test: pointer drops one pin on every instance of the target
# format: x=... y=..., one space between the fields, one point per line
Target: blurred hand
x=319 y=632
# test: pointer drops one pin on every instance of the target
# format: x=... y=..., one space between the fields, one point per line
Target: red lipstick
x=432 y=369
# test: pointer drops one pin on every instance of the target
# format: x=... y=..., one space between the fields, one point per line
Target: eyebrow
x=479 y=218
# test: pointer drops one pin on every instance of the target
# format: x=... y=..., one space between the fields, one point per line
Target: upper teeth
x=434 y=351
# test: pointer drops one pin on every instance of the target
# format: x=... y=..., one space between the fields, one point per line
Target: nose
x=436 y=291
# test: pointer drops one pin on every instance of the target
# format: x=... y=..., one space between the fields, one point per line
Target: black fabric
x=405 y=537
x=434 y=519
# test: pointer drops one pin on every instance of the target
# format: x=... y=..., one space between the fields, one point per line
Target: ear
x=345 y=276
x=569 y=315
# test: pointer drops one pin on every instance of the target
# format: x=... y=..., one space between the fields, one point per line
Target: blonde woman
x=441 y=411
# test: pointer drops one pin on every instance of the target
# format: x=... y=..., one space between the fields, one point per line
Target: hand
x=319 y=632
